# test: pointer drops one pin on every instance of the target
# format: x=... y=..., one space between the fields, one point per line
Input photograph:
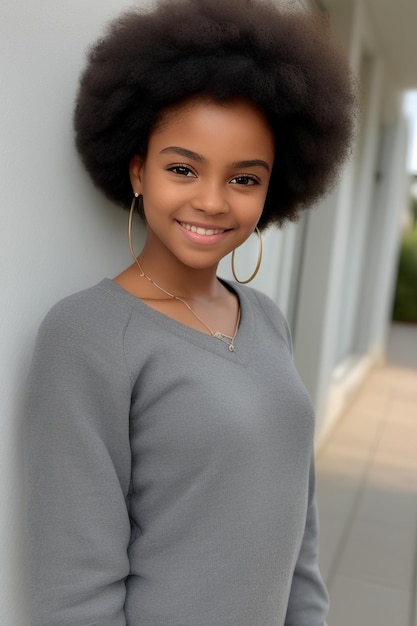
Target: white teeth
x=202 y=231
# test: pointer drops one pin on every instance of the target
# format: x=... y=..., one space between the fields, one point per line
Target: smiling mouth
x=202 y=231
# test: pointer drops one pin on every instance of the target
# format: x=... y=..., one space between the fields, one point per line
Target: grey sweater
x=170 y=481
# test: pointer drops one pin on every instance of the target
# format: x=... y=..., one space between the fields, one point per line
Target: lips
x=199 y=230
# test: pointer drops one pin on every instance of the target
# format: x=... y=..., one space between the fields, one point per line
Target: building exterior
x=334 y=272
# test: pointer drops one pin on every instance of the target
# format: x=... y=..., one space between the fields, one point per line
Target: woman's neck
x=179 y=279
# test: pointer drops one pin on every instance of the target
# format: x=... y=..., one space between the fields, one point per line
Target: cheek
x=250 y=208
x=160 y=209
x=155 y=197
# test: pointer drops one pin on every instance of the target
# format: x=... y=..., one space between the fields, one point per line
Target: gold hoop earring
x=135 y=203
x=258 y=262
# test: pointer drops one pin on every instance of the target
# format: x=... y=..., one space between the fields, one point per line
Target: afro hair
x=280 y=58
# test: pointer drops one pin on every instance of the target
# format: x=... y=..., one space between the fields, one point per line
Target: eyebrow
x=251 y=163
x=189 y=154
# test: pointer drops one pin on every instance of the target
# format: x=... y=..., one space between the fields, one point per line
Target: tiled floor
x=367 y=493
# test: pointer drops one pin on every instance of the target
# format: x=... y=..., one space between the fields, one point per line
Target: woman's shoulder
x=265 y=307
x=101 y=310
x=105 y=296
x=259 y=299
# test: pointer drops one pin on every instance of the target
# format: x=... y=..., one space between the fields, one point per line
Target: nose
x=210 y=197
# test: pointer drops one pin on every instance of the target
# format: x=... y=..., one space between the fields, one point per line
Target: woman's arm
x=308 y=603
x=78 y=470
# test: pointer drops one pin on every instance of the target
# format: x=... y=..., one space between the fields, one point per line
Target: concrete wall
x=348 y=268
x=57 y=233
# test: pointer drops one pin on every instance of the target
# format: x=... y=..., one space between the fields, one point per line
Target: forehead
x=206 y=124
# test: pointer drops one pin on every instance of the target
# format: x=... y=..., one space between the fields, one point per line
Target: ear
x=135 y=173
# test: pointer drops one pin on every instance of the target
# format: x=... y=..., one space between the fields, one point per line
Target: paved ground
x=367 y=492
x=402 y=345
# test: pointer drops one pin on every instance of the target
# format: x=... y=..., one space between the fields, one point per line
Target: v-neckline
x=244 y=335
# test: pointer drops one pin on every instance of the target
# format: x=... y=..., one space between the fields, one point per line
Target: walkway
x=367 y=492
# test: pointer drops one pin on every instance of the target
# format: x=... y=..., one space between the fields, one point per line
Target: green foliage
x=405 y=302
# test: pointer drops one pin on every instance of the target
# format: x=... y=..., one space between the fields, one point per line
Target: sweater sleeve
x=308 y=603
x=78 y=469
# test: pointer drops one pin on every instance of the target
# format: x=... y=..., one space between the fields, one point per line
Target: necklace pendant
x=226 y=339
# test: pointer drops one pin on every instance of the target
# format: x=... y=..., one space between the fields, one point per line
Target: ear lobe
x=135 y=173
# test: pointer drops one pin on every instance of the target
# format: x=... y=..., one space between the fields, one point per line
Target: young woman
x=170 y=440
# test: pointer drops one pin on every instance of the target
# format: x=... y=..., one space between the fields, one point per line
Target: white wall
x=279 y=258
x=348 y=262
x=410 y=109
x=57 y=233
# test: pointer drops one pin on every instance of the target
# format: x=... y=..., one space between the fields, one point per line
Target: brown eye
x=181 y=170
x=245 y=180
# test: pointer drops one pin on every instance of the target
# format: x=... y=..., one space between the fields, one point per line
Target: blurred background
x=345 y=276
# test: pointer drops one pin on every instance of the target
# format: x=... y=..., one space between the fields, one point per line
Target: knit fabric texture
x=170 y=481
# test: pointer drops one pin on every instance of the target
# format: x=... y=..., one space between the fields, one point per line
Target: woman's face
x=204 y=179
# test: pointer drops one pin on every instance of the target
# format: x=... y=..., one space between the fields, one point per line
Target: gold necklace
x=227 y=339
